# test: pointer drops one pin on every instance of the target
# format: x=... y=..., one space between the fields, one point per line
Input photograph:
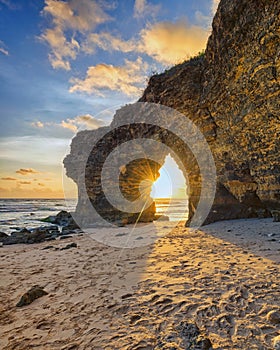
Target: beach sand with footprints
x=216 y=287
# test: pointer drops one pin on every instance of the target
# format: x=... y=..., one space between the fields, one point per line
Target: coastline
x=103 y=297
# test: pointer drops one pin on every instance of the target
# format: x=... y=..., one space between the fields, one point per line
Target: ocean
x=19 y=213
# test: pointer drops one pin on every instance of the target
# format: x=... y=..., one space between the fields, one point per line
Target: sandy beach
x=223 y=278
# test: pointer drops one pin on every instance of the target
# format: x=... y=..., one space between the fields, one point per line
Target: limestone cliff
x=232 y=94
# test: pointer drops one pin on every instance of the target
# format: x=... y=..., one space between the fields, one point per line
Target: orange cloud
x=40 y=184
x=170 y=43
x=26 y=171
x=128 y=78
x=69 y=125
x=8 y=178
x=24 y=182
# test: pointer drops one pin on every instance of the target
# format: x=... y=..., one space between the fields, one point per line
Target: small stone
x=274 y=316
x=69 y=246
x=276 y=343
x=34 y=293
x=48 y=247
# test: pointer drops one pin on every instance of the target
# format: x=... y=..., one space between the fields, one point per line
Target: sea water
x=19 y=213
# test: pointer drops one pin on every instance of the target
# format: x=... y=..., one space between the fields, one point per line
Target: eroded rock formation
x=232 y=94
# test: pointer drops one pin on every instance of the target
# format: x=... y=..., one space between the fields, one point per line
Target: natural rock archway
x=232 y=94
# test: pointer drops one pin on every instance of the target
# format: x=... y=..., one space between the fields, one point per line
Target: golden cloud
x=38 y=124
x=69 y=125
x=166 y=42
x=171 y=43
x=8 y=178
x=24 y=182
x=27 y=171
x=128 y=78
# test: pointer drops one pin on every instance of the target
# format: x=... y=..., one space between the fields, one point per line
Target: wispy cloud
x=68 y=18
x=8 y=178
x=143 y=9
x=108 y=42
x=86 y=121
x=127 y=79
x=3 y=49
x=27 y=171
x=24 y=182
x=9 y=4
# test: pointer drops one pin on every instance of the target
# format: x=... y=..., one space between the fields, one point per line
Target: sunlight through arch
x=169 y=191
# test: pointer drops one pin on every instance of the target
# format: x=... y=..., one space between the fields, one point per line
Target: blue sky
x=66 y=65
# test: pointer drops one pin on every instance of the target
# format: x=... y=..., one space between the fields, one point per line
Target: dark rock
x=65 y=237
x=48 y=247
x=34 y=293
x=69 y=246
x=276 y=215
x=3 y=235
x=63 y=218
x=24 y=230
x=274 y=316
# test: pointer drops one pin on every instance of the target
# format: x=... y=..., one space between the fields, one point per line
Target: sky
x=68 y=65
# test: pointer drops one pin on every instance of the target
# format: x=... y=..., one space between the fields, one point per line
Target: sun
x=171 y=182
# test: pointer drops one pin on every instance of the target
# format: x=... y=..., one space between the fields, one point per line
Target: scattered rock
x=273 y=316
x=63 y=218
x=48 y=247
x=65 y=237
x=34 y=293
x=69 y=246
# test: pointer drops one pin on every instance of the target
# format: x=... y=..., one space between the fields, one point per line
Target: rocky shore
x=60 y=226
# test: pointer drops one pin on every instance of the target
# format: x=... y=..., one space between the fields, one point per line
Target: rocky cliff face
x=232 y=94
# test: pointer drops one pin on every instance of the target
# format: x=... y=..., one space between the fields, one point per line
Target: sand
x=224 y=278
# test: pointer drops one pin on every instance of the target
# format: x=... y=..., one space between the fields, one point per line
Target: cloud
x=127 y=79
x=2 y=49
x=8 y=178
x=27 y=171
x=69 y=125
x=9 y=5
x=87 y=121
x=143 y=9
x=166 y=42
x=41 y=184
x=81 y=121
x=215 y=4
x=108 y=42
x=24 y=182
x=67 y=19
x=170 y=43
x=37 y=124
